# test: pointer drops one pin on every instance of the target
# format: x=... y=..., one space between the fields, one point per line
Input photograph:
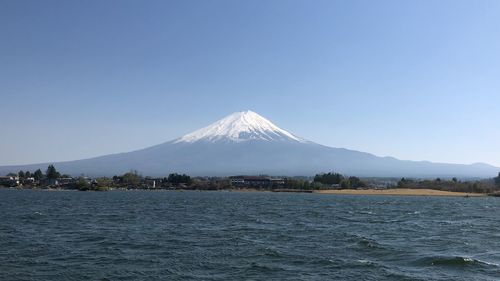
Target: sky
x=416 y=80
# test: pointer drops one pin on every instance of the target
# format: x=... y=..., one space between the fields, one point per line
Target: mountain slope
x=246 y=143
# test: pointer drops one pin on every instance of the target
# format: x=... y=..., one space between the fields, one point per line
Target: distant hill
x=247 y=143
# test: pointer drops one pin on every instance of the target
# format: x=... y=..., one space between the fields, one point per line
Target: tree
x=176 y=179
x=306 y=185
x=52 y=173
x=38 y=175
x=316 y=186
x=352 y=182
x=131 y=178
x=497 y=181
x=356 y=182
x=402 y=183
x=104 y=182
x=82 y=184
x=294 y=183
x=344 y=184
x=21 y=174
x=27 y=174
x=329 y=178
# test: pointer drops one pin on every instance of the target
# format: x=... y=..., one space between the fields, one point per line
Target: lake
x=174 y=235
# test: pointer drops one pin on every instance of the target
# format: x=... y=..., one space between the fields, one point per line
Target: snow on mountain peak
x=239 y=127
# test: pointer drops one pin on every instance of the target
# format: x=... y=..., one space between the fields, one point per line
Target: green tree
x=131 y=178
x=402 y=183
x=316 y=185
x=345 y=184
x=104 y=182
x=176 y=179
x=497 y=181
x=82 y=184
x=294 y=183
x=21 y=174
x=329 y=178
x=306 y=185
x=27 y=174
x=38 y=175
x=356 y=182
x=52 y=173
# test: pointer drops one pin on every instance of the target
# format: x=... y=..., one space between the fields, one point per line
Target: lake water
x=140 y=235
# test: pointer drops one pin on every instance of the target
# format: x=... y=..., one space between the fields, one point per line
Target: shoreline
x=399 y=192
x=371 y=192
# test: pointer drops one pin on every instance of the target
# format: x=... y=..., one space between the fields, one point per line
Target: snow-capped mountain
x=247 y=143
x=240 y=127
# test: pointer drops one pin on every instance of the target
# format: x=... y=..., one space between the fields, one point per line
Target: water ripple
x=245 y=236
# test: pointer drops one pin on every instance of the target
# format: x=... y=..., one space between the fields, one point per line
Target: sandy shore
x=398 y=191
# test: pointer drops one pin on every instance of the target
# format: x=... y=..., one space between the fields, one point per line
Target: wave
x=454 y=261
x=370 y=243
x=363 y=242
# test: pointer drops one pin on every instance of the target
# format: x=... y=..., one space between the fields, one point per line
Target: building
x=9 y=181
x=65 y=181
x=29 y=181
x=256 y=181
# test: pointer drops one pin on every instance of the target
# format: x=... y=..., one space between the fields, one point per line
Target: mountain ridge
x=247 y=143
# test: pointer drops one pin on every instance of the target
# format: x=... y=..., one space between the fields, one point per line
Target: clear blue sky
x=416 y=80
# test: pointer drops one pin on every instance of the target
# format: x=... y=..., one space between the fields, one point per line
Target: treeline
x=339 y=181
x=133 y=180
x=330 y=180
x=454 y=185
x=50 y=174
x=52 y=178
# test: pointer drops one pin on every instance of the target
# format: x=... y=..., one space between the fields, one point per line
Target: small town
x=51 y=179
